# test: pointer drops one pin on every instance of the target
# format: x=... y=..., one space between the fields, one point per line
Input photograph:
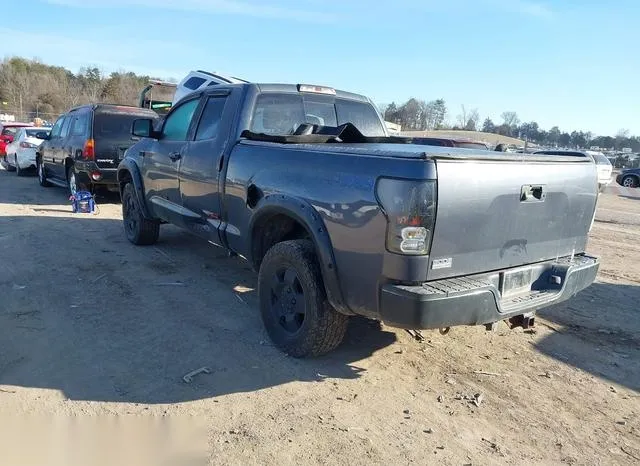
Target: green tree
x=488 y=126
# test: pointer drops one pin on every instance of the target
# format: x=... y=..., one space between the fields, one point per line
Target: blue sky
x=571 y=63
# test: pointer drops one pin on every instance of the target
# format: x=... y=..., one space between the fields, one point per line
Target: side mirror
x=143 y=128
x=42 y=135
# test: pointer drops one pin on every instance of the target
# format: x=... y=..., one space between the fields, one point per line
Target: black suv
x=86 y=145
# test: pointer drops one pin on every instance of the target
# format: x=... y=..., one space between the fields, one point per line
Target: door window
x=209 y=123
x=176 y=126
x=55 y=131
x=65 y=127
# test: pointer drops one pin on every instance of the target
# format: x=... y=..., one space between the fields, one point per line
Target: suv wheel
x=630 y=182
x=72 y=183
x=19 y=171
x=42 y=174
x=7 y=166
x=138 y=229
x=294 y=307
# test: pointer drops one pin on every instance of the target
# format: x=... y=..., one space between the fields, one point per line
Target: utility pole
x=20 y=106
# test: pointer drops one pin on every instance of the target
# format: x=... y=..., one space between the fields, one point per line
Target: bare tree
x=468 y=119
x=510 y=119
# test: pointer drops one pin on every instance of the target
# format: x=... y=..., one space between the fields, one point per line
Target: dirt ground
x=91 y=325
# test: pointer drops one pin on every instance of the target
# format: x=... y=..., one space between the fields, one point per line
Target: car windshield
x=32 y=132
x=601 y=159
x=10 y=130
x=280 y=114
x=471 y=145
x=115 y=125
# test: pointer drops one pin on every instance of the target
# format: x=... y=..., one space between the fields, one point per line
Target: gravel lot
x=92 y=325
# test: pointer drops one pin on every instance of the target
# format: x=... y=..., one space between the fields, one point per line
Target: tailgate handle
x=532 y=193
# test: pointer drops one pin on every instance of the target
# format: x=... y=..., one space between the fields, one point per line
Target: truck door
x=202 y=164
x=163 y=158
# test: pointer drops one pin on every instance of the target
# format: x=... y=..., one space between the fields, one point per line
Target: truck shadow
x=98 y=319
x=598 y=331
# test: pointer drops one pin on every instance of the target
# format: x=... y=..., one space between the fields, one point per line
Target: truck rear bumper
x=477 y=299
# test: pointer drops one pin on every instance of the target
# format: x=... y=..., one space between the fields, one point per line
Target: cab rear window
x=280 y=114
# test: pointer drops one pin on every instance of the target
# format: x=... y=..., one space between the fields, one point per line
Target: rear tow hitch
x=526 y=321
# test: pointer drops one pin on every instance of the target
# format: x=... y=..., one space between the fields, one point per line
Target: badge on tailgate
x=445 y=263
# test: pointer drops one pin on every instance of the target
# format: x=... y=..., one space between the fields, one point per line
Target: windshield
x=281 y=114
x=471 y=145
x=601 y=159
x=10 y=131
x=32 y=132
x=115 y=125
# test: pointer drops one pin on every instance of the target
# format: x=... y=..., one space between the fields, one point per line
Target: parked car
x=604 y=167
x=21 y=153
x=341 y=219
x=7 y=132
x=451 y=142
x=629 y=178
x=86 y=144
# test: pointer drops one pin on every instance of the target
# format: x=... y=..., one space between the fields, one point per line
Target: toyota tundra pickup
x=338 y=218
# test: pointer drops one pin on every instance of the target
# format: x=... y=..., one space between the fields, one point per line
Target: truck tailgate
x=496 y=214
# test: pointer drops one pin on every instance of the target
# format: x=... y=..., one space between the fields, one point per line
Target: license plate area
x=514 y=282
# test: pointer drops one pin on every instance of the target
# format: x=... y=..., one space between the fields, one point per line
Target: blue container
x=83 y=202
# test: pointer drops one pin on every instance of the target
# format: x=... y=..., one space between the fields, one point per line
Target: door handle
x=175 y=156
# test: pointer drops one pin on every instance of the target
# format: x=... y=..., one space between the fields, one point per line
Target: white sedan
x=21 y=153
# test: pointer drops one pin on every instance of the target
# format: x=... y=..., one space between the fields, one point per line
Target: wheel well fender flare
x=129 y=171
x=302 y=212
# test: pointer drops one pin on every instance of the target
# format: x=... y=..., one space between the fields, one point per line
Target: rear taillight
x=89 y=150
x=27 y=145
x=410 y=208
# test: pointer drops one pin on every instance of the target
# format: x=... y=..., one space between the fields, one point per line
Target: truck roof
x=294 y=88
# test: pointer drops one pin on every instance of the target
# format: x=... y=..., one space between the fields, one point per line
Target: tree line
x=30 y=89
x=418 y=115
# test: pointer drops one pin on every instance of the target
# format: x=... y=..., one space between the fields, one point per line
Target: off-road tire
x=322 y=328
x=139 y=230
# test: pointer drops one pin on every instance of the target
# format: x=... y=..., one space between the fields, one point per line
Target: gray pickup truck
x=339 y=218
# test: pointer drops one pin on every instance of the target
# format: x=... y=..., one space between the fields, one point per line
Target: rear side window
x=211 y=116
x=114 y=126
x=80 y=124
x=194 y=83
